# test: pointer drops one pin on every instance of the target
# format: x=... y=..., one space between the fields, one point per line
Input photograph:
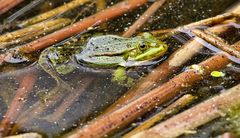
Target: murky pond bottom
x=52 y=93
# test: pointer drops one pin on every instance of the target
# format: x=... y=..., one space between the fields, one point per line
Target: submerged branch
x=67 y=102
x=17 y=103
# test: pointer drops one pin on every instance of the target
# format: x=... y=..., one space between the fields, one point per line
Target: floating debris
x=217 y=74
x=198 y=68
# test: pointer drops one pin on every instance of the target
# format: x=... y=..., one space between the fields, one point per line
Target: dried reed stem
x=216 y=41
x=170 y=110
x=144 y=18
x=196 y=116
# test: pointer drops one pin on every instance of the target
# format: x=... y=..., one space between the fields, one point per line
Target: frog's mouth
x=149 y=57
x=151 y=54
x=111 y=60
x=132 y=63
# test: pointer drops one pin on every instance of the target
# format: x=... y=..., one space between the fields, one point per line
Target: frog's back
x=108 y=44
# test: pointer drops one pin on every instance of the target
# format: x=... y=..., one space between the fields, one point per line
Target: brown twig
x=40 y=106
x=50 y=100
x=80 y=26
x=101 y=5
x=17 y=103
x=6 y=5
x=144 y=18
x=214 y=20
x=158 y=33
x=188 y=120
x=170 y=110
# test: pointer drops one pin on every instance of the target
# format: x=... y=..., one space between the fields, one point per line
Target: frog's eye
x=142 y=46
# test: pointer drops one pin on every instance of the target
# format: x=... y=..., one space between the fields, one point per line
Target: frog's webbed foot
x=121 y=77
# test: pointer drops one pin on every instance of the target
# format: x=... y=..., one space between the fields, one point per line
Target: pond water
x=55 y=108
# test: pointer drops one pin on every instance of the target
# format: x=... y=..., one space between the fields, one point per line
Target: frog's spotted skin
x=112 y=51
x=109 y=45
x=105 y=51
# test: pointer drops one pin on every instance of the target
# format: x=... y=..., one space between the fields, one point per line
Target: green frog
x=111 y=51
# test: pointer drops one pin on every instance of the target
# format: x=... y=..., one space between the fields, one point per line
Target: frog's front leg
x=47 y=66
x=121 y=77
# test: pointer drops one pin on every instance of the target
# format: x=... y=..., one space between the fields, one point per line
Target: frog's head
x=147 y=48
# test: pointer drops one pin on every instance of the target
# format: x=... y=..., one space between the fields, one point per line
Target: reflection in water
x=52 y=109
